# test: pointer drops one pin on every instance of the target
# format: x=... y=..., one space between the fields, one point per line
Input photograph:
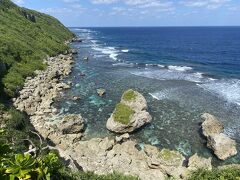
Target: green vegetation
x=168 y=155
x=129 y=95
x=65 y=174
x=26 y=37
x=122 y=113
x=216 y=174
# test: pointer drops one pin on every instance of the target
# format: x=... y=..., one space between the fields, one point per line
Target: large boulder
x=222 y=146
x=196 y=162
x=72 y=124
x=211 y=125
x=130 y=114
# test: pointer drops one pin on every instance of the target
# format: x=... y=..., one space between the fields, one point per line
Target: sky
x=111 y=13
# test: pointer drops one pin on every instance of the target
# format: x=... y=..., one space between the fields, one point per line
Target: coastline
x=100 y=155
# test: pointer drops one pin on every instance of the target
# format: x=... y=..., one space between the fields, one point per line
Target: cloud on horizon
x=139 y=12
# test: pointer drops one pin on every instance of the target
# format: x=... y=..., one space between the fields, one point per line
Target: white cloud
x=103 y=1
x=209 y=4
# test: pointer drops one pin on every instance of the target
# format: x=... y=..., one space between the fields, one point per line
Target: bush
x=216 y=174
x=17 y=120
x=66 y=174
x=129 y=95
x=122 y=113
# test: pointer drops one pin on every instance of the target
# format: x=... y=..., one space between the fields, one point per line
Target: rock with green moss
x=170 y=158
x=134 y=99
x=130 y=114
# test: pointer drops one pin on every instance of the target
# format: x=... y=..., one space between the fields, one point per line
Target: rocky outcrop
x=105 y=155
x=72 y=124
x=196 y=162
x=36 y=99
x=130 y=114
x=222 y=146
x=211 y=125
x=101 y=92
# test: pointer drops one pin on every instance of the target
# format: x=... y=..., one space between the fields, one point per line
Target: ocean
x=182 y=72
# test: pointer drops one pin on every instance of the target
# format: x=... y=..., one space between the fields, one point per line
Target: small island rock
x=130 y=114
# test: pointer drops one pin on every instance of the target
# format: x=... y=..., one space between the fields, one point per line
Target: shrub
x=129 y=95
x=216 y=174
x=17 y=120
x=122 y=113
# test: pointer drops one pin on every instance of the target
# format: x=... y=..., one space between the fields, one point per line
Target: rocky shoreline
x=98 y=155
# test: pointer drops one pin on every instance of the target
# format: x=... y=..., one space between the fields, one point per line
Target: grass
x=170 y=156
x=129 y=95
x=65 y=174
x=216 y=174
x=122 y=113
x=24 y=42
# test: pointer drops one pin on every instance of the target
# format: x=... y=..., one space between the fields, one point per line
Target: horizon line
x=151 y=26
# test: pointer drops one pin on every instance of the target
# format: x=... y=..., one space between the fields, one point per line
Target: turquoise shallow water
x=176 y=98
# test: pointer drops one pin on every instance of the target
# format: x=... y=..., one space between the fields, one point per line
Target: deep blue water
x=182 y=72
x=211 y=50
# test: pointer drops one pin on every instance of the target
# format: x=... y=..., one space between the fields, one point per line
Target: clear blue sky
x=140 y=12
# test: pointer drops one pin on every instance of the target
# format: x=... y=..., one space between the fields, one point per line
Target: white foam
x=179 y=68
x=113 y=56
x=155 y=65
x=159 y=65
x=164 y=94
x=125 y=50
x=124 y=64
x=227 y=89
x=158 y=95
x=163 y=74
x=110 y=51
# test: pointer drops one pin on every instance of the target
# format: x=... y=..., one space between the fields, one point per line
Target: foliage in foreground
x=216 y=174
x=42 y=167
x=26 y=37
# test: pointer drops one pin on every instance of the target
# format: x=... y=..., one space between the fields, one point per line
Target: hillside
x=26 y=37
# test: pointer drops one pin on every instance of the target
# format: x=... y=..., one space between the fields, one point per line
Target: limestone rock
x=134 y=103
x=171 y=158
x=72 y=124
x=196 y=162
x=101 y=92
x=122 y=137
x=134 y=99
x=223 y=146
x=211 y=125
x=136 y=121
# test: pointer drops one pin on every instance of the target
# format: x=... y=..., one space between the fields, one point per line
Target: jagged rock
x=72 y=124
x=211 y=125
x=136 y=121
x=75 y=98
x=101 y=92
x=76 y=39
x=223 y=146
x=73 y=51
x=129 y=114
x=122 y=137
x=196 y=162
x=134 y=99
